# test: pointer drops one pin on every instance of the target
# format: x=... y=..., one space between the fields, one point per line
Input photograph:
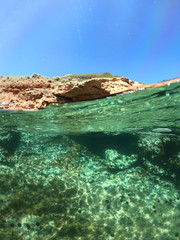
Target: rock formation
x=36 y=92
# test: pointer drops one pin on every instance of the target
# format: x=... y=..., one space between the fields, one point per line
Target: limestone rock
x=36 y=92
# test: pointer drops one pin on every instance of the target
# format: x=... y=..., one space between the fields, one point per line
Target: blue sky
x=139 y=39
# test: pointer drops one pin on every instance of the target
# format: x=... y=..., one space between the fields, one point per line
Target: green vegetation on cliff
x=66 y=78
x=82 y=77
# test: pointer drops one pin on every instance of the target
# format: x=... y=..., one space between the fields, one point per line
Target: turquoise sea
x=106 y=169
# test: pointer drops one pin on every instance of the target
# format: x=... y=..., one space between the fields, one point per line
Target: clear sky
x=139 y=39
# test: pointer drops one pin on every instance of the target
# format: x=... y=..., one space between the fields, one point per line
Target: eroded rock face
x=36 y=93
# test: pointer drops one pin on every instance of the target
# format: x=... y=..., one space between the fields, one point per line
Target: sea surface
x=106 y=169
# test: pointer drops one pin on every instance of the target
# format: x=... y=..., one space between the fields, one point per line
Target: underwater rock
x=115 y=160
x=160 y=154
x=58 y=189
x=8 y=144
x=5 y=138
x=3 y=154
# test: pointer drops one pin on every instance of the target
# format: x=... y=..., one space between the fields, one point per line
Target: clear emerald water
x=143 y=111
x=100 y=169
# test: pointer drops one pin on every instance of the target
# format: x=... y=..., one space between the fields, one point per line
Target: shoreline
x=37 y=93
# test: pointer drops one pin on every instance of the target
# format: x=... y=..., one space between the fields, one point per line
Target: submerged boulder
x=160 y=154
x=58 y=189
x=116 y=160
x=8 y=144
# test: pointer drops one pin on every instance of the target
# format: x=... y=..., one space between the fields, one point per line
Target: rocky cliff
x=36 y=92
